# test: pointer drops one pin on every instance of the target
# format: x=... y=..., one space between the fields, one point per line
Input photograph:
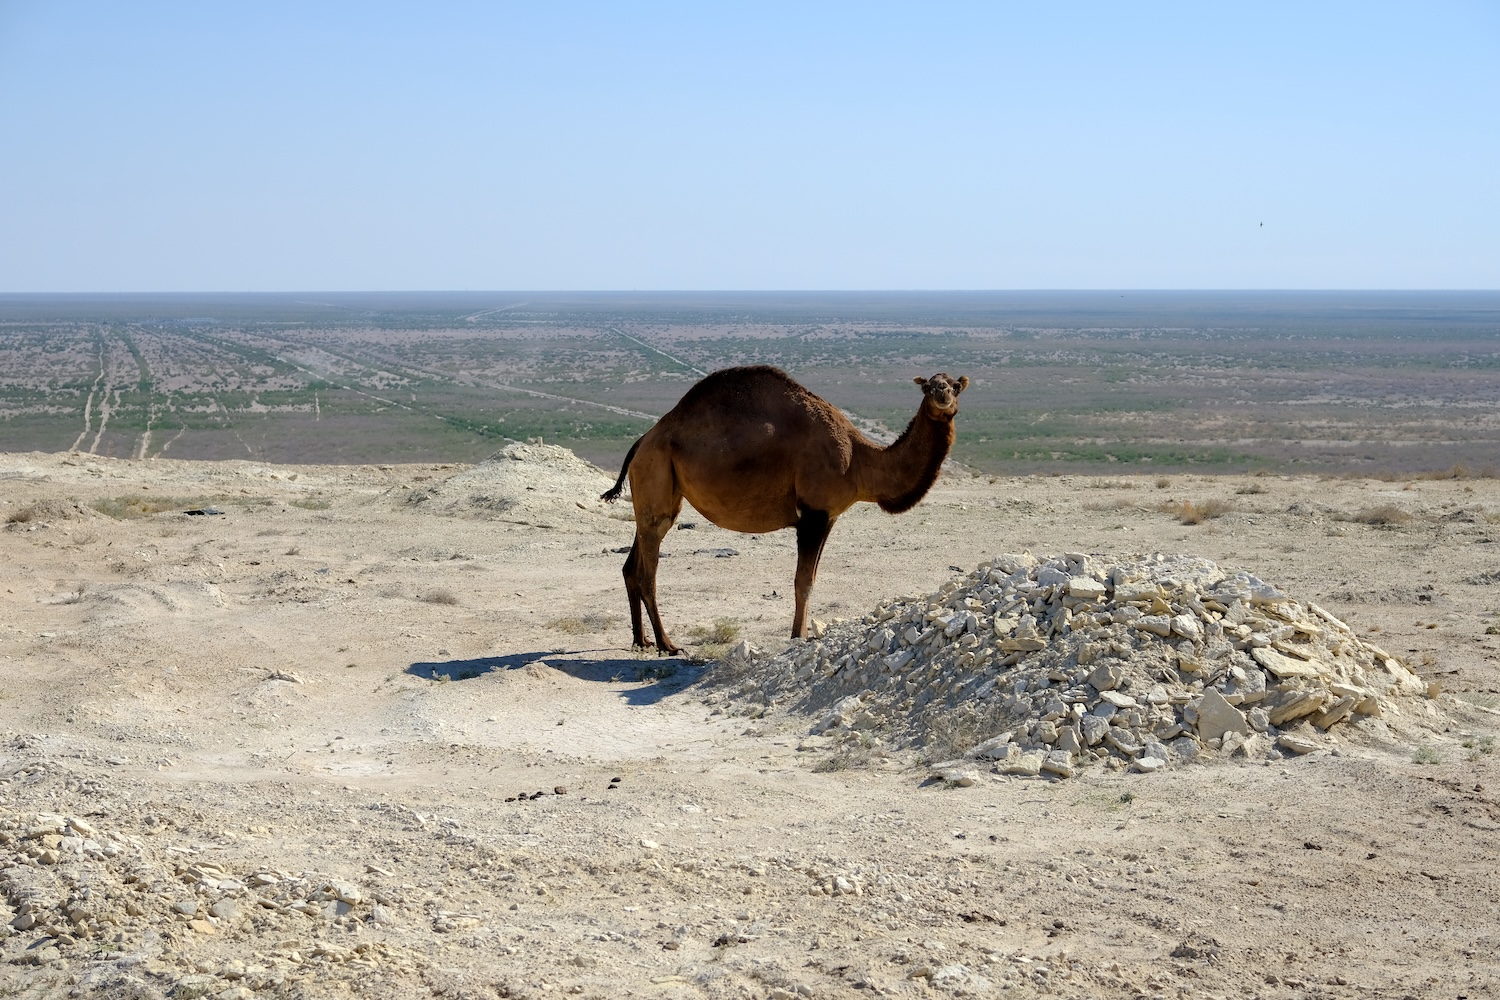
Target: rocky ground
x=376 y=730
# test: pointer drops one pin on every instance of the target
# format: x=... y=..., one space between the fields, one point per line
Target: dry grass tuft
x=722 y=632
x=1251 y=489
x=1385 y=515
x=439 y=595
x=129 y=507
x=713 y=641
x=1189 y=512
x=1163 y=483
x=584 y=624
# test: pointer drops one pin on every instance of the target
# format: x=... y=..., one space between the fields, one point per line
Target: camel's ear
x=920 y=381
x=963 y=382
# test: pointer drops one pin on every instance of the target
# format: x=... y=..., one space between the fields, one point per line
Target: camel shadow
x=659 y=678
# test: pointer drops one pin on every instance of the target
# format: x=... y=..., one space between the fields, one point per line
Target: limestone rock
x=1152 y=658
x=1216 y=716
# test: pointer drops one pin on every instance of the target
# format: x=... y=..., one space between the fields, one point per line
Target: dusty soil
x=293 y=749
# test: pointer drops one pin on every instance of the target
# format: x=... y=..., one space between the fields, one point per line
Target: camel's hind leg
x=633 y=591
x=657 y=503
x=812 y=532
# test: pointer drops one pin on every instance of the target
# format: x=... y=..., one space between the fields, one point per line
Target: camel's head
x=940 y=393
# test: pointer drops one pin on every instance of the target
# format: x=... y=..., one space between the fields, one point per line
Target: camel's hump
x=747 y=379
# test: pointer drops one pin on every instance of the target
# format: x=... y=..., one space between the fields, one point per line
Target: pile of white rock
x=1037 y=666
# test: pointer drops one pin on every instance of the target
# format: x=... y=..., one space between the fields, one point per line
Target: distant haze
x=193 y=147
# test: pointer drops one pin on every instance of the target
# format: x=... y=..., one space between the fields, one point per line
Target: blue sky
x=268 y=146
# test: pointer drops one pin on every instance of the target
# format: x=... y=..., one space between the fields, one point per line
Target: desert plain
x=377 y=730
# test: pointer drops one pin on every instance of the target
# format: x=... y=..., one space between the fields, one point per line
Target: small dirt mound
x=534 y=484
x=49 y=512
x=1040 y=666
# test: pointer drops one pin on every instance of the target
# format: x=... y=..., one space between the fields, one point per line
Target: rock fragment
x=1079 y=657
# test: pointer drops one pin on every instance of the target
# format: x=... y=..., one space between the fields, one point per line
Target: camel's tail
x=613 y=493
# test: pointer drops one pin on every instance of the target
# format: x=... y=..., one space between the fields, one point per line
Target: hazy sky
x=369 y=146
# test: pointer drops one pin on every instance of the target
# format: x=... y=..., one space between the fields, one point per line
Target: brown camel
x=754 y=451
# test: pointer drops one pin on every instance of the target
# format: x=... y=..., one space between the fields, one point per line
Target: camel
x=754 y=451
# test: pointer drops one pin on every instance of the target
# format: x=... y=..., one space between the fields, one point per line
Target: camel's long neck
x=898 y=477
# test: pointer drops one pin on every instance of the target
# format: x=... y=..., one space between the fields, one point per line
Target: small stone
x=201 y=926
x=955 y=773
x=1335 y=713
x=1106 y=676
x=1094 y=729
x=1216 y=716
x=224 y=909
x=1297 y=744
x=1147 y=765
x=1156 y=624
x=1187 y=626
x=1060 y=763
x=1028 y=764
x=649 y=844
x=1070 y=740
x=186 y=907
x=1254 y=747
x=1284 y=666
x=43 y=955
x=1118 y=699
x=1086 y=589
x=1296 y=704
x=560 y=790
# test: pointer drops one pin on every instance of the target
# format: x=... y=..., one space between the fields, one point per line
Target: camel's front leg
x=812 y=531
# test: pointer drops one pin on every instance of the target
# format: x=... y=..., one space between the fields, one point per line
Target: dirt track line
x=145 y=442
x=490 y=312
x=658 y=350
x=461 y=379
x=104 y=411
x=88 y=406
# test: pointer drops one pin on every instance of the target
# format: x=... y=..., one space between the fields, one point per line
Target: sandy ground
x=291 y=740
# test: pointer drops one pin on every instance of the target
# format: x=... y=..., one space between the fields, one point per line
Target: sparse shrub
x=439 y=595
x=713 y=641
x=1189 y=512
x=588 y=622
x=723 y=632
x=1251 y=488
x=128 y=507
x=656 y=671
x=1425 y=755
x=1385 y=515
x=1478 y=745
x=1163 y=483
x=844 y=759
